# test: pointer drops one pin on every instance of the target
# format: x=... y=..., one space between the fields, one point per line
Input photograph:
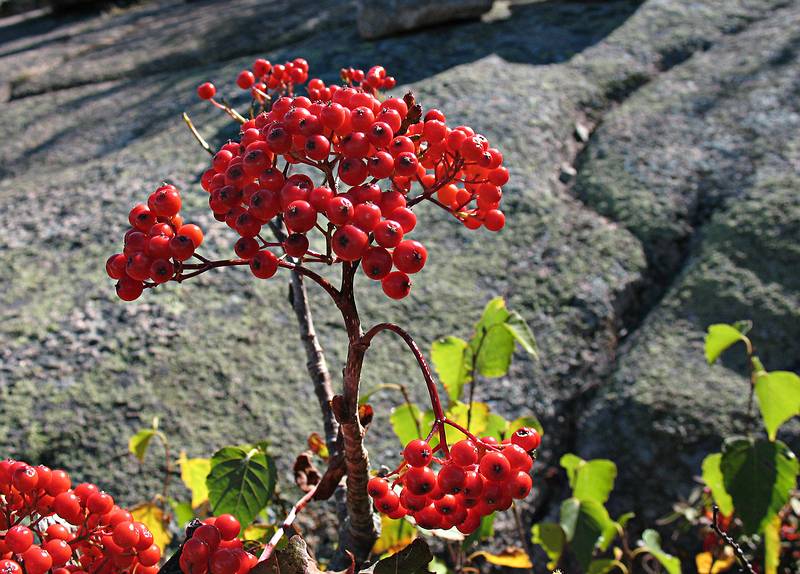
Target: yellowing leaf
x=258 y=532
x=317 y=445
x=707 y=565
x=772 y=545
x=510 y=557
x=395 y=535
x=153 y=517
x=193 y=473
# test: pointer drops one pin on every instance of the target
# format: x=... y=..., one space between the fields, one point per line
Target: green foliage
x=551 y=538
x=413 y=559
x=453 y=362
x=758 y=475
x=590 y=480
x=586 y=526
x=406 y=419
x=139 y=442
x=712 y=476
x=241 y=481
x=778 y=395
x=651 y=542
x=719 y=338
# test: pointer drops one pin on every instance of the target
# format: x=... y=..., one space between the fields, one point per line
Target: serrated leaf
x=712 y=476
x=509 y=557
x=522 y=333
x=526 y=421
x=413 y=559
x=194 y=472
x=720 y=337
x=706 y=563
x=181 y=511
x=550 y=536
x=395 y=535
x=587 y=526
x=484 y=532
x=139 y=442
x=153 y=517
x=652 y=543
x=590 y=480
x=241 y=482
x=452 y=359
x=759 y=476
x=403 y=419
x=778 y=395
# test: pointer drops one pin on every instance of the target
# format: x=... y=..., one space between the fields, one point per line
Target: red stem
x=290 y=518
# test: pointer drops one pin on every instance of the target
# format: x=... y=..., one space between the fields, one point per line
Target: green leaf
x=550 y=536
x=772 y=545
x=625 y=518
x=459 y=413
x=712 y=476
x=590 y=480
x=484 y=532
x=181 y=511
x=601 y=566
x=194 y=472
x=779 y=398
x=587 y=526
x=526 y=421
x=395 y=535
x=758 y=475
x=495 y=313
x=241 y=482
x=453 y=361
x=719 y=338
x=413 y=559
x=402 y=419
x=494 y=354
x=496 y=426
x=652 y=543
x=522 y=333
x=139 y=442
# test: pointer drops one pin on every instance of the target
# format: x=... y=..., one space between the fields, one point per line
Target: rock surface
x=377 y=18
x=682 y=212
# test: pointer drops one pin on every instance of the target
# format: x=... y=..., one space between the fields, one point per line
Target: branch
x=746 y=566
x=290 y=518
x=203 y=143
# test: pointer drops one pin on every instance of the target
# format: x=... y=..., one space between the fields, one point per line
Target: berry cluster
x=46 y=526
x=155 y=245
x=373 y=159
x=475 y=479
x=215 y=548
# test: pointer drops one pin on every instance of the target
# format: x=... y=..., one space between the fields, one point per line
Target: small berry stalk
x=373 y=160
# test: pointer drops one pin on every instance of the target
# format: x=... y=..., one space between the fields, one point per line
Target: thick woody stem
x=360 y=531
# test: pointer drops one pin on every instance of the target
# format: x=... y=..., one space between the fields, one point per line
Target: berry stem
x=470 y=436
x=203 y=143
x=287 y=523
x=433 y=391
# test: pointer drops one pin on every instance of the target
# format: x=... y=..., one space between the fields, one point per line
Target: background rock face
x=378 y=18
x=681 y=210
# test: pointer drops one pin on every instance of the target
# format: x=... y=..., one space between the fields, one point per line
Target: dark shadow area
x=204 y=33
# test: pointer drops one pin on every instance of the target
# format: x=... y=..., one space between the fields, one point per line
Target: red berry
x=161 y=271
x=349 y=242
x=36 y=560
x=245 y=80
x=129 y=289
x=181 y=247
x=494 y=466
x=167 y=201
x=25 y=478
x=125 y=534
x=410 y=256
x=339 y=210
x=418 y=453
x=149 y=556
x=264 y=264
x=405 y=164
x=246 y=247
x=206 y=91
x=377 y=487
x=99 y=503
x=228 y=526
x=396 y=285
x=115 y=265
x=494 y=220
x=10 y=567
x=405 y=217
x=376 y=263
x=209 y=534
x=300 y=216
x=366 y=216
x=59 y=482
x=473 y=484
x=420 y=480
x=527 y=438
x=59 y=551
x=388 y=233
x=19 y=538
x=451 y=478
x=464 y=453
x=388 y=502
x=521 y=484
x=296 y=245
x=517 y=457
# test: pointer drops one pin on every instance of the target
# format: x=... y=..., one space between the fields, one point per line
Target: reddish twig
x=287 y=523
